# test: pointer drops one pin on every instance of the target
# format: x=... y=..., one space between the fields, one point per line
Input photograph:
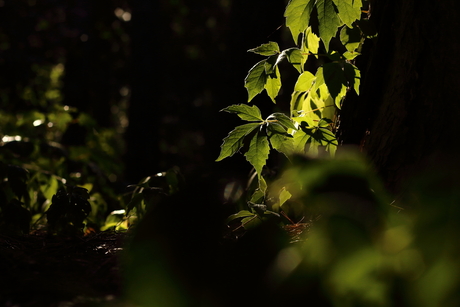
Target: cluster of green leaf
x=44 y=150
x=318 y=94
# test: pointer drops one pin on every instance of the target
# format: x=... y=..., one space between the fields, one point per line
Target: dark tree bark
x=408 y=107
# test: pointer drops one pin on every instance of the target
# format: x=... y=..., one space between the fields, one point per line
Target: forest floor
x=42 y=270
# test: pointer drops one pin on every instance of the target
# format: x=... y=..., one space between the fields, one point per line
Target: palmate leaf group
x=317 y=97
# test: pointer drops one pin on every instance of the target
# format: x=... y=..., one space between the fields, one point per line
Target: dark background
x=166 y=67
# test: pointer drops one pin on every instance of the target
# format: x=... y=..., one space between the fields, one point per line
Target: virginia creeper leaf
x=273 y=84
x=256 y=79
x=296 y=58
x=350 y=38
x=258 y=196
x=270 y=48
x=349 y=10
x=298 y=16
x=245 y=112
x=280 y=139
x=257 y=153
x=242 y=213
x=283 y=119
x=311 y=42
x=304 y=82
x=270 y=64
x=353 y=76
x=334 y=78
x=234 y=141
x=329 y=22
x=284 y=196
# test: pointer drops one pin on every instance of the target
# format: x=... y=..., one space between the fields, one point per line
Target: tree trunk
x=410 y=87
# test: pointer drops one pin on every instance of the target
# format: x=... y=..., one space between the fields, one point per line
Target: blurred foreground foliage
x=359 y=246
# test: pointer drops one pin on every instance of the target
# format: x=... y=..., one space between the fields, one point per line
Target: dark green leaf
x=353 y=76
x=135 y=202
x=334 y=78
x=256 y=79
x=351 y=38
x=234 y=141
x=258 y=151
x=280 y=139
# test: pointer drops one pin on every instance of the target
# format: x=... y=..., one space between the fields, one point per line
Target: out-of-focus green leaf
x=136 y=202
x=242 y=213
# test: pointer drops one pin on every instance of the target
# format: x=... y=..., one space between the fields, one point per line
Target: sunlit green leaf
x=298 y=16
x=256 y=79
x=304 y=82
x=234 y=141
x=283 y=119
x=270 y=48
x=311 y=42
x=245 y=112
x=329 y=22
x=273 y=84
x=296 y=58
x=350 y=55
x=349 y=10
x=258 y=151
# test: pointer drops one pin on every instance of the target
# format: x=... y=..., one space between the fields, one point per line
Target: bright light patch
x=10 y=138
x=37 y=122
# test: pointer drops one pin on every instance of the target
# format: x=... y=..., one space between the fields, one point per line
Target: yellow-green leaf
x=298 y=16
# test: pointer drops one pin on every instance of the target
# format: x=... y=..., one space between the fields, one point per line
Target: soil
x=42 y=270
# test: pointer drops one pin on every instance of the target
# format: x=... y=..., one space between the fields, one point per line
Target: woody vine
x=315 y=102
